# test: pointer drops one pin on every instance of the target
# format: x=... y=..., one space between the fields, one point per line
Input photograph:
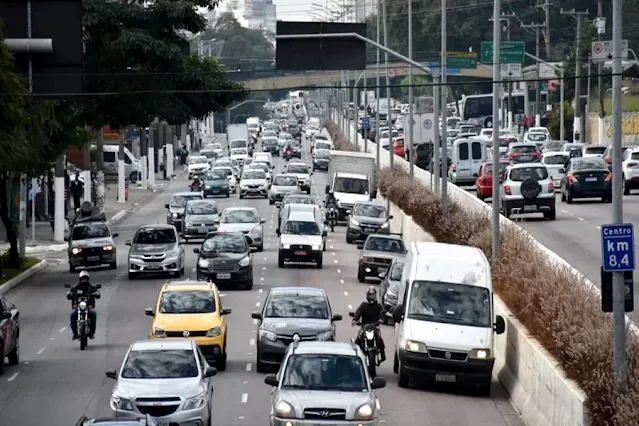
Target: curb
x=23 y=276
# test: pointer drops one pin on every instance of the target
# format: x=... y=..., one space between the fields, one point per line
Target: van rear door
x=477 y=156
x=462 y=158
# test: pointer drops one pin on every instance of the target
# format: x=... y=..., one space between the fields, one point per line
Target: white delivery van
x=132 y=166
x=445 y=321
x=468 y=156
x=264 y=157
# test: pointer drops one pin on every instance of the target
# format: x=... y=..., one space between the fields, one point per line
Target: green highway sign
x=510 y=52
x=460 y=60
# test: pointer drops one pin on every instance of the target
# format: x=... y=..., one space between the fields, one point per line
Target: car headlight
x=284 y=409
x=316 y=248
x=214 y=332
x=256 y=230
x=108 y=247
x=203 y=263
x=365 y=412
x=480 y=354
x=385 y=225
x=325 y=336
x=158 y=332
x=76 y=250
x=225 y=186
x=354 y=222
x=245 y=262
x=268 y=335
x=174 y=215
x=207 y=187
x=118 y=403
x=413 y=346
x=195 y=402
x=188 y=223
x=172 y=253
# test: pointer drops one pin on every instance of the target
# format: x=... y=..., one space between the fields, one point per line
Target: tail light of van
x=608 y=159
x=537 y=155
x=551 y=188
x=507 y=190
x=571 y=178
x=609 y=177
x=632 y=165
x=454 y=168
x=511 y=155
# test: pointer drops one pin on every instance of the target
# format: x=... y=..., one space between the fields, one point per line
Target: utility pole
x=546 y=8
x=496 y=237
x=377 y=93
x=444 y=111
x=537 y=27
x=579 y=16
x=409 y=127
x=389 y=122
x=600 y=23
x=509 y=116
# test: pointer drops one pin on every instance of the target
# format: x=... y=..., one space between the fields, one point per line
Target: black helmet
x=371 y=294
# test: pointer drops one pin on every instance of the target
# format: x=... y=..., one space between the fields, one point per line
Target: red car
x=484 y=184
x=398 y=146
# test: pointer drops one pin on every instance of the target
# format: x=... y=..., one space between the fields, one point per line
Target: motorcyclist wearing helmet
x=83 y=288
x=197 y=182
x=330 y=199
x=371 y=312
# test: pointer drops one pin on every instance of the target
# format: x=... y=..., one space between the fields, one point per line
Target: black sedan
x=367 y=218
x=377 y=254
x=586 y=177
x=225 y=258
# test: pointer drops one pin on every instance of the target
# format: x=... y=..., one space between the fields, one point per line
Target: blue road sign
x=436 y=67
x=618 y=247
x=366 y=123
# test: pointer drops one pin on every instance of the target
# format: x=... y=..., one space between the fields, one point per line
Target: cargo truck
x=237 y=132
x=352 y=179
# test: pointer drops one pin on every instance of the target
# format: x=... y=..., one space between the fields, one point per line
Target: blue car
x=216 y=184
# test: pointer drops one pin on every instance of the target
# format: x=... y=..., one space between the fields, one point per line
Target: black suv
x=225 y=258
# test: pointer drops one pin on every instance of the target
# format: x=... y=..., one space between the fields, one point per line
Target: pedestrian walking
x=77 y=190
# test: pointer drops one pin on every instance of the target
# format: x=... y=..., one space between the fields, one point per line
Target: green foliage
x=421 y=90
x=554 y=123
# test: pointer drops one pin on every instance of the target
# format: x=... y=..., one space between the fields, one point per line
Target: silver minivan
x=468 y=156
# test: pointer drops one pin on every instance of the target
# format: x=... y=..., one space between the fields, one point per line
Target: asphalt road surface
x=576 y=233
x=55 y=383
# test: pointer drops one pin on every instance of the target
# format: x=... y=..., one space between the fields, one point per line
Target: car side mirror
x=182 y=241
x=127 y=243
x=360 y=247
x=166 y=206
x=196 y=250
x=390 y=217
x=351 y=314
x=149 y=312
x=562 y=170
x=327 y=189
x=112 y=374
x=115 y=235
x=398 y=313
x=210 y=372
x=226 y=311
x=271 y=379
x=326 y=222
x=378 y=383
x=98 y=286
x=500 y=325
x=501 y=179
x=336 y=317
x=256 y=315
x=324 y=233
x=6 y=315
x=66 y=239
x=278 y=232
x=374 y=194
x=262 y=220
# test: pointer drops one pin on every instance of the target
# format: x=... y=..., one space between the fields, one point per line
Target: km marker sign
x=618 y=247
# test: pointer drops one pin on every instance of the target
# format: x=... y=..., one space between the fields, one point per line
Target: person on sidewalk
x=519 y=124
x=77 y=190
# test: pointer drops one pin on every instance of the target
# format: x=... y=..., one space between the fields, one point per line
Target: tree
x=420 y=86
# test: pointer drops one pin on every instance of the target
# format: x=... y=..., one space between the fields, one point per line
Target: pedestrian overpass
x=276 y=80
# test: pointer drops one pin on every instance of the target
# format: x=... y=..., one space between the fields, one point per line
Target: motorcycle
x=83 y=323
x=331 y=216
x=288 y=154
x=196 y=186
x=368 y=344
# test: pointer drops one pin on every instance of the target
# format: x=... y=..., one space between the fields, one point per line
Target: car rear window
x=595 y=150
x=488 y=168
x=589 y=164
x=554 y=159
x=524 y=149
x=522 y=173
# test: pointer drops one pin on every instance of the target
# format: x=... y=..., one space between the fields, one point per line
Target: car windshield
x=504 y=142
x=295 y=227
x=369 y=210
x=350 y=185
x=260 y=166
x=240 y=216
x=198 y=160
x=268 y=134
x=254 y=174
x=390 y=245
x=449 y=303
x=537 y=137
x=155 y=236
x=589 y=164
x=87 y=231
x=208 y=154
x=238 y=144
x=240 y=151
x=554 y=159
x=519 y=174
x=181 y=200
x=160 y=364
x=285 y=181
x=201 y=207
x=296 y=306
x=396 y=272
x=322 y=153
x=488 y=168
x=297 y=168
x=225 y=243
x=292 y=199
x=285 y=136
x=224 y=171
x=187 y=302
x=323 y=145
x=223 y=163
x=217 y=146
x=269 y=141
x=215 y=176
x=553 y=146
x=294 y=144
x=596 y=150
x=324 y=372
x=524 y=149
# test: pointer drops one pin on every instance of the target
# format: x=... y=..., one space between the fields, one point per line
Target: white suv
x=630 y=169
x=528 y=188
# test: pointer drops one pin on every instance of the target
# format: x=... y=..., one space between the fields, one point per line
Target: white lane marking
x=564 y=211
x=257 y=304
x=51 y=338
x=241 y=418
x=222 y=294
x=333 y=253
x=13 y=376
x=252 y=342
x=330 y=241
x=346 y=293
x=331 y=247
x=248 y=366
x=263 y=268
x=62 y=329
x=350 y=307
x=264 y=258
x=599 y=227
x=260 y=290
x=261 y=278
x=254 y=321
x=339 y=271
x=335 y=260
x=580 y=218
x=41 y=350
x=245 y=382
x=341 y=281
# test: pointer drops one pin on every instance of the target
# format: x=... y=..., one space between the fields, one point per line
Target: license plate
x=162 y=423
x=93 y=258
x=524 y=158
x=368 y=231
x=215 y=191
x=530 y=208
x=152 y=268
x=591 y=179
x=203 y=231
x=300 y=253
x=223 y=276
x=448 y=378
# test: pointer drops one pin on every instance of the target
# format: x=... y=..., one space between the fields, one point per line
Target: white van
x=468 y=156
x=444 y=319
x=132 y=166
x=311 y=208
x=264 y=157
x=238 y=143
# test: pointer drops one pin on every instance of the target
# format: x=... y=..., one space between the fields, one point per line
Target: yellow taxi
x=192 y=310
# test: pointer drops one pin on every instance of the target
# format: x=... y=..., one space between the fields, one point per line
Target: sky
x=301 y=10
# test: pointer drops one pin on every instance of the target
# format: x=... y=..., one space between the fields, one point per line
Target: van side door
x=477 y=156
x=462 y=158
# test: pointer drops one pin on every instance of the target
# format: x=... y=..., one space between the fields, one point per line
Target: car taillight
x=416 y=157
x=511 y=155
x=361 y=259
x=551 y=188
x=537 y=154
x=571 y=178
x=609 y=177
x=608 y=159
x=454 y=168
x=507 y=189
x=632 y=165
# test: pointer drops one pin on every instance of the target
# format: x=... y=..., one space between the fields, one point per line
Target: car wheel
x=228 y=195
x=221 y=363
x=133 y=177
x=402 y=380
x=280 y=261
x=361 y=276
x=271 y=202
x=568 y=197
x=260 y=367
x=260 y=248
x=626 y=187
x=14 y=355
x=563 y=196
x=1 y=360
x=132 y=275
x=551 y=215
x=113 y=265
x=241 y=196
x=395 y=364
x=348 y=239
x=479 y=196
x=484 y=387
x=320 y=263
x=71 y=268
x=249 y=285
x=182 y=269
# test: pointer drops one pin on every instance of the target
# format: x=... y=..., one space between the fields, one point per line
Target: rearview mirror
x=262 y=220
x=98 y=286
x=390 y=217
x=324 y=233
x=327 y=189
x=336 y=317
x=196 y=250
x=382 y=275
x=115 y=235
x=360 y=247
x=378 y=383
x=562 y=170
x=277 y=231
x=182 y=241
x=66 y=238
x=351 y=314
x=210 y=372
x=500 y=325
x=112 y=374
x=149 y=312
x=127 y=243
x=256 y=315
x=398 y=313
x=6 y=315
x=271 y=379
x=226 y=311
x=166 y=206
x=374 y=194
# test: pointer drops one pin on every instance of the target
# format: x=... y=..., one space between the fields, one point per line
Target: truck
x=352 y=179
x=235 y=132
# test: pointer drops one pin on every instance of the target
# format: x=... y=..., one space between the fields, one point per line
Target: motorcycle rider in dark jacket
x=196 y=184
x=371 y=312
x=83 y=288
x=330 y=199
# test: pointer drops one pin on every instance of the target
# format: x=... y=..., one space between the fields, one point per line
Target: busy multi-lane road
x=55 y=383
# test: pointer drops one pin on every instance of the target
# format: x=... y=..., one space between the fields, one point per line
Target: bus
x=480 y=107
